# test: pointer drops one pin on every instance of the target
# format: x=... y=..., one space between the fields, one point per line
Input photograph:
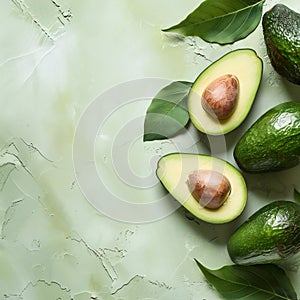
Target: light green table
x=57 y=59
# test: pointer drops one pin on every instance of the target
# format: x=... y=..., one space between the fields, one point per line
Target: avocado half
x=247 y=66
x=173 y=171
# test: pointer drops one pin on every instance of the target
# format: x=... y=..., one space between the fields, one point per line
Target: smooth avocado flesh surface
x=173 y=171
x=247 y=67
x=269 y=235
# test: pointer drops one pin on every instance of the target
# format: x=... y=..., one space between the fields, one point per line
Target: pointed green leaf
x=167 y=113
x=221 y=21
x=254 y=282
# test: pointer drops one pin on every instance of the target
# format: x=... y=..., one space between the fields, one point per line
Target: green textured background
x=55 y=58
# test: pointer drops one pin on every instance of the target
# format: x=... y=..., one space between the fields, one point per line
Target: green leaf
x=167 y=113
x=221 y=21
x=297 y=196
x=254 y=282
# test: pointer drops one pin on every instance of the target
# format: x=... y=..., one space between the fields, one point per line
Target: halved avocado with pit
x=173 y=171
x=247 y=67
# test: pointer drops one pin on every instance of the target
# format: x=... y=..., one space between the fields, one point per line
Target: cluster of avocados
x=219 y=101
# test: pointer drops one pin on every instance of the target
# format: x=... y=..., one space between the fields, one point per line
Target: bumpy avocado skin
x=272 y=143
x=268 y=236
x=281 y=28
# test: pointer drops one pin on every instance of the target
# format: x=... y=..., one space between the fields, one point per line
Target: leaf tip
x=198 y=263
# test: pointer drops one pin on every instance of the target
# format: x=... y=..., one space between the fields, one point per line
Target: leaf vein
x=250 y=7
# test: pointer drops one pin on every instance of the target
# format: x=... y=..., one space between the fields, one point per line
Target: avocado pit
x=219 y=98
x=210 y=188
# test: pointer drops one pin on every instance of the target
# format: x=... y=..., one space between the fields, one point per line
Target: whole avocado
x=281 y=29
x=272 y=143
x=270 y=235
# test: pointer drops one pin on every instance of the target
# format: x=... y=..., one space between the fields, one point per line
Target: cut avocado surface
x=247 y=67
x=173 y=171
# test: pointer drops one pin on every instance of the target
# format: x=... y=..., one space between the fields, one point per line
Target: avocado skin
x=270 y=235
x=281 y=29
x=272 y=143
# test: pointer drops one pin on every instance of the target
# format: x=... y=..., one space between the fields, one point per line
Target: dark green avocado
x=270 y=235
x=272 y=143
x=281 y=28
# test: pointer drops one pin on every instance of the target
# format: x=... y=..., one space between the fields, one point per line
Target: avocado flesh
x=272 y=143
x=270 y=235
x=281 y=28
x=247 y=67
x=173 y=171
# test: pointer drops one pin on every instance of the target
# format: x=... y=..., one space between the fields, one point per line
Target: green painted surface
x=56 y=58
